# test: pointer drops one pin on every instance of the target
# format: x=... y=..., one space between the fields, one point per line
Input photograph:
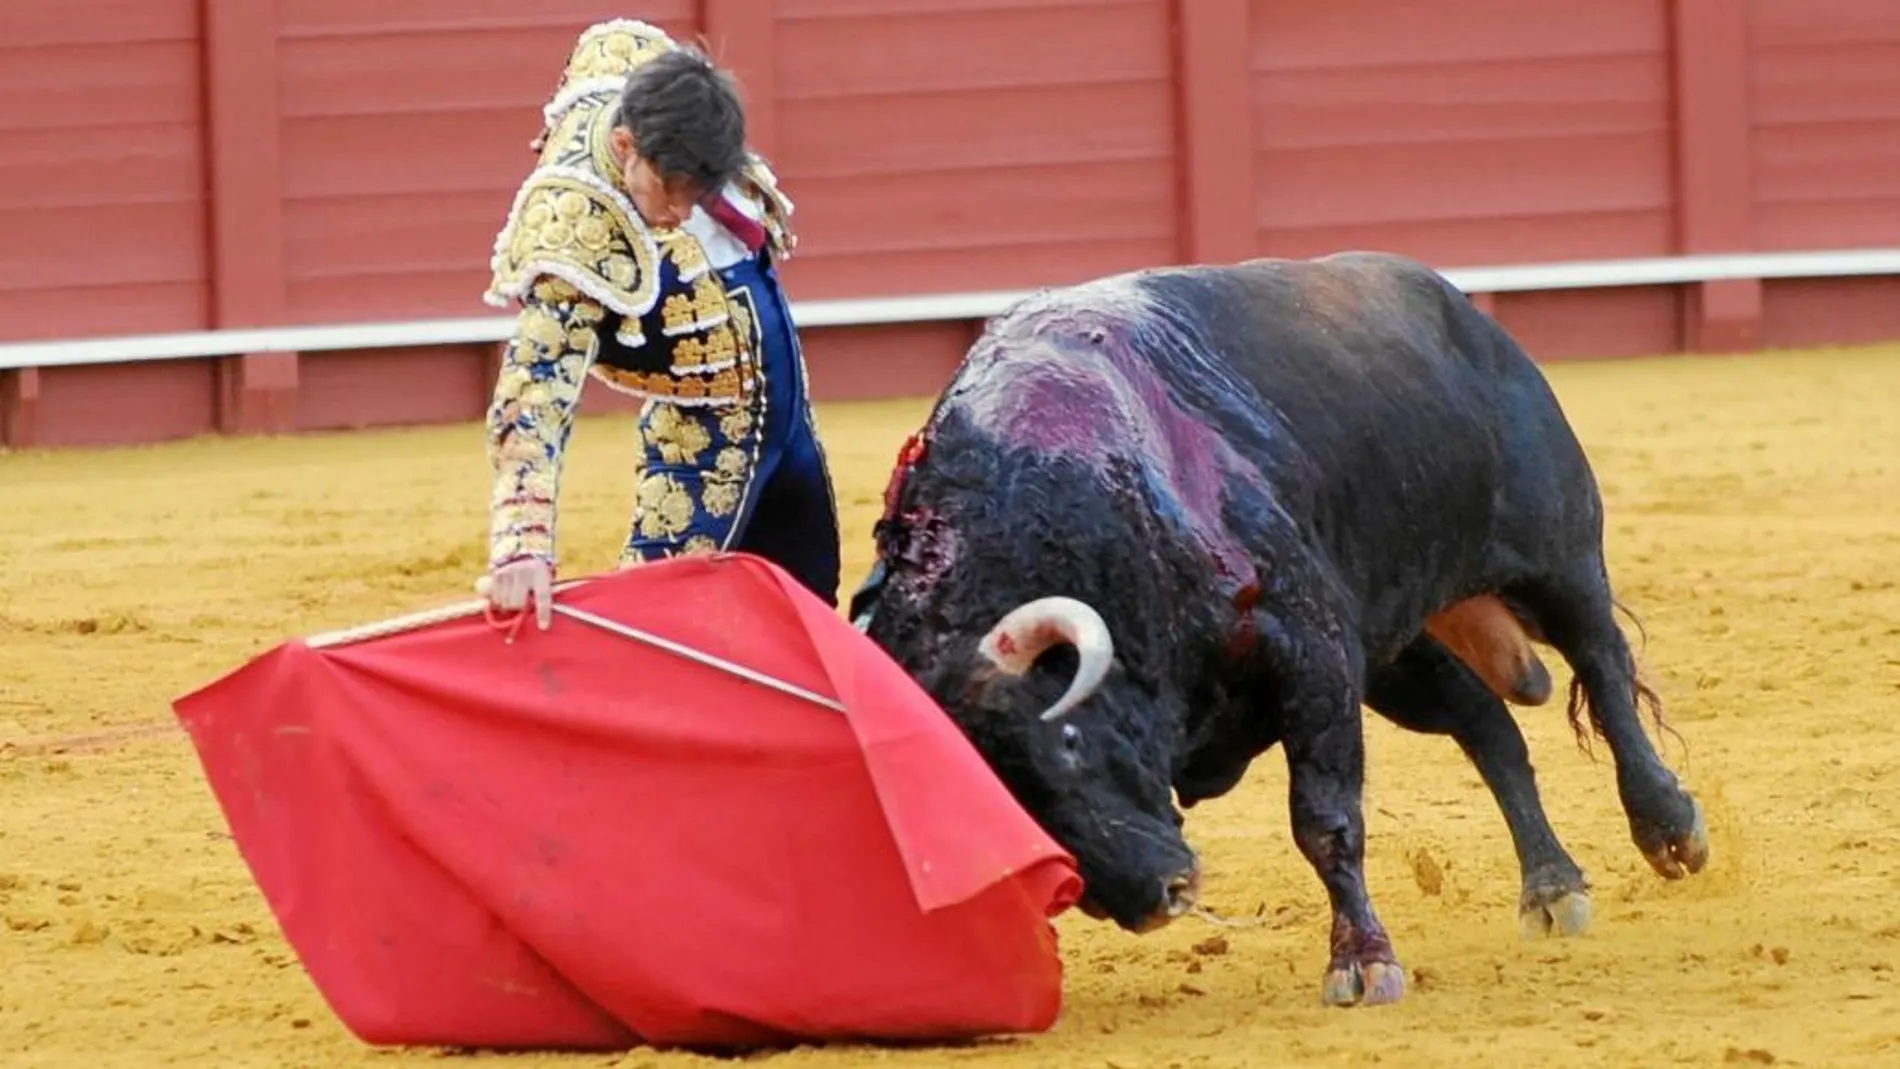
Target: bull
x=1161 y=522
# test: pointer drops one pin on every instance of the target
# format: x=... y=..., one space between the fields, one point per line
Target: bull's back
x=1391 y=409
x=1380 y=329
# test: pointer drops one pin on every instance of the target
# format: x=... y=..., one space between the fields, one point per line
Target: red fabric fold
x=955 y=844
x=578 y=840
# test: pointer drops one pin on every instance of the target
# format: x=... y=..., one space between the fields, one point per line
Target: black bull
x=1162 y=521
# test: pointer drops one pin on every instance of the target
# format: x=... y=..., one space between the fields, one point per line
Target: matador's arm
x=531 y=416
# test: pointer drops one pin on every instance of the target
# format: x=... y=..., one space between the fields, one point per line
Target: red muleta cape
x=575 y=839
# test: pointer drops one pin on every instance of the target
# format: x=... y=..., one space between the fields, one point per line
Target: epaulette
x=760 y=185
x=570 y=221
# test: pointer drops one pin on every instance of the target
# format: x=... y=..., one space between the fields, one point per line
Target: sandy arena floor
x=1755 y=526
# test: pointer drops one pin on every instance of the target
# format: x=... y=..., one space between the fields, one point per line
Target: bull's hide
x=574 y=839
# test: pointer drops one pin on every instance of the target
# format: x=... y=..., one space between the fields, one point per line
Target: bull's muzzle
x=1179 y=895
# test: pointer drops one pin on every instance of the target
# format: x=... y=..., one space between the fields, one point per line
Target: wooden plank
x=256 y=392
x=741 y=35
x=1216 y=164
x=1715 y=200
x=20 y=408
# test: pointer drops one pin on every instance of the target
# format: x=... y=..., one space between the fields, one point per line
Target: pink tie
x=742 y=227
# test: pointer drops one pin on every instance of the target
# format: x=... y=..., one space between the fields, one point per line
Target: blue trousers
x=750 y=477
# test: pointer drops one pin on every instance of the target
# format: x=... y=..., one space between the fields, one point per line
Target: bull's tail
x=1644 y=697
x=1642 y=632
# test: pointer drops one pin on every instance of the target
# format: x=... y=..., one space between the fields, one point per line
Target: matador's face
x=664 y=201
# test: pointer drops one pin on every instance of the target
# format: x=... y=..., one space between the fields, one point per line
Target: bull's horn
x=1029 y=629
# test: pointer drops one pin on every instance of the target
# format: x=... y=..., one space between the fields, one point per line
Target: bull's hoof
x=1369 y=983
x=1566 y=916
x=1556 y=901
x=1675 y=854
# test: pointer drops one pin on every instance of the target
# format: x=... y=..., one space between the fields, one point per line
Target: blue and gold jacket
x=603 y=294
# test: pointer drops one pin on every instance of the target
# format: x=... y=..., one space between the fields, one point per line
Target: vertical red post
x=257 y=392
x=1212 y=72
x=19 y=407
x=1716 y=205
x=739 y=36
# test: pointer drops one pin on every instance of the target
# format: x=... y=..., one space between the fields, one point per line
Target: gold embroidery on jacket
x=680 y=439
x=728 y=387
x=687 y=255
x=666 y=507
x=683 y=499
x=531 y=415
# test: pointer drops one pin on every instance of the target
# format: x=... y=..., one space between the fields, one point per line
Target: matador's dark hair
x=686 y=117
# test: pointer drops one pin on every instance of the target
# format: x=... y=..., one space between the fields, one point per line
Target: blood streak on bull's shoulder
x=925 y=543
x=912 y=454
x=1073 y=372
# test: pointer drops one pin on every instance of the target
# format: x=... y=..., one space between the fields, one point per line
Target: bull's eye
x=1071 y=738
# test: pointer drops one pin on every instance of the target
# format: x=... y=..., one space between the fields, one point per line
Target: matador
x=641 y=251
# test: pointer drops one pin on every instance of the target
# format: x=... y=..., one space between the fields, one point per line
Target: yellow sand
x=1755 y=524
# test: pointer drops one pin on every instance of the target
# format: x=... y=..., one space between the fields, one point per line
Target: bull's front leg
x=1325 y=751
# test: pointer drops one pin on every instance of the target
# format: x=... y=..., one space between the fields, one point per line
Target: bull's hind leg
x=1576 y=615
x=1427 y=689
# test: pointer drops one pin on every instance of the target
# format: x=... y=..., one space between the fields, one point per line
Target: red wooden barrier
x=193 y=164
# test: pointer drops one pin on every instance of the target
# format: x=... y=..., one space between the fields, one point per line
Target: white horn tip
x=1026 y=631
x=1021 y=636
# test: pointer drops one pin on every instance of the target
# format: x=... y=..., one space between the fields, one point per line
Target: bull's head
x=1091 y=765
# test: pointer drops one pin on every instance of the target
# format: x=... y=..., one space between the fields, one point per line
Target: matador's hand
x=511 y=586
